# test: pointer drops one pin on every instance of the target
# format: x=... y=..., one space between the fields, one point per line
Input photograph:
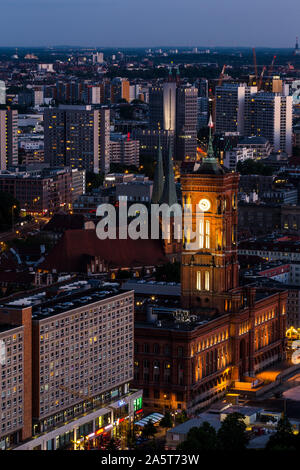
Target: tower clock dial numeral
x=204 y=205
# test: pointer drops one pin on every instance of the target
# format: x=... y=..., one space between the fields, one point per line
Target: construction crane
x=255 y=63
x=221 y=77
x=272 y=65
x=261 y=78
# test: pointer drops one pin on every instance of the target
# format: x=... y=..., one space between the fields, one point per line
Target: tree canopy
x=202 y=438
x=253 y=167
x=232 y=434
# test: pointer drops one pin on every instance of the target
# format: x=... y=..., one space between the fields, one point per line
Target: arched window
x=198 y=280
x=207 y=287
x=207 y=234
x=201 y=234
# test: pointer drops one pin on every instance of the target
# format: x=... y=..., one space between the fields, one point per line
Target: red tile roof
x=72 y=250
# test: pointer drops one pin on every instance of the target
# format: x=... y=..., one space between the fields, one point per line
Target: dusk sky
x=105 y=23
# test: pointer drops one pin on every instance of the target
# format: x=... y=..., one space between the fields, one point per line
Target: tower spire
x=210 y=149
x=169 y=195
x=158 y=184
x=210 y=164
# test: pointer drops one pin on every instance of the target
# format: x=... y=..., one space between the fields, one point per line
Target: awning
x=154 y=417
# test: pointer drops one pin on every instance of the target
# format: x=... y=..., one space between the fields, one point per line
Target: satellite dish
x=296 y=357
x=296 y=344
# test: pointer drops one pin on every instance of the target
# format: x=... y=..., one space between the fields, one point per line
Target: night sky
x=141 y=23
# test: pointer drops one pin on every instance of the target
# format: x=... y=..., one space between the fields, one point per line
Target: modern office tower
x=8 y=138
x=174 y=108
x=124 y=150
x=202 y=86
x=162 y=106
x=202 y=112
x=2 y=92
x=80 y=368
x=120 y=89
x=186 y=122
x=77 y=136
x=271 y=117
x=231 y=105
x=98 y=58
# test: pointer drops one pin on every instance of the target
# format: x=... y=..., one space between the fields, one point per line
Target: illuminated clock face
x=204 y=205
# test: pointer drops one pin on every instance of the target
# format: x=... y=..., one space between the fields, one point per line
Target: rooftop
x=68 y=297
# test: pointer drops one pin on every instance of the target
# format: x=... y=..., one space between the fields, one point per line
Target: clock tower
x=209 y=264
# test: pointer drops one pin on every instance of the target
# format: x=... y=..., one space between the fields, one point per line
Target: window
x=198 y=280
x=207 y=234
x=206 y=280
x=201 y=234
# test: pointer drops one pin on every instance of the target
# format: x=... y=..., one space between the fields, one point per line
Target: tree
x=232 y=434
x=169 y=272
x=93 y=180
x=182 y=417
x=253 y=167
x=149 y=430
x=284 y=438
x=166 y=421
x=202 y=438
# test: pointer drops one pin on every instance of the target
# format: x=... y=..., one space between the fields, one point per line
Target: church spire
x=169 y=195
x=210 y=164
x=210 y=149
x=158 y=183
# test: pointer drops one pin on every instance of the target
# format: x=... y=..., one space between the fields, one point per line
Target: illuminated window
x=206 y=280
x=207 y=234
x=198 y=280
x=201 y=234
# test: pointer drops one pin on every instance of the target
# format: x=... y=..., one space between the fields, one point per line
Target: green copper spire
x=158 y=184
x=169 y=195
x=210 y=149
x=210 y=164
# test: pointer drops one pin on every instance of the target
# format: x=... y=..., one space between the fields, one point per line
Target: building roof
x=75 y=247
x=253 y=140
x=62 y=222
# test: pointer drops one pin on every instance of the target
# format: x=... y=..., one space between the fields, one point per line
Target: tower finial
x=210 y=150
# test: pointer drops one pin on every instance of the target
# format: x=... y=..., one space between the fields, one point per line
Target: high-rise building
x=8 y=138
x=174 y=109
x=231 y=107
x=66 y=365
x=2 y=92
x=120 y=89
x=271 y=117
x=98 y=58
x=186 y=122
x=77 y=136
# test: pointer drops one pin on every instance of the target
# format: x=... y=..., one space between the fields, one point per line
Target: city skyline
x=192 y=24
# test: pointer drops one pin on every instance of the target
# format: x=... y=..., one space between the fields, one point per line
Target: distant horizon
x=73 y=46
